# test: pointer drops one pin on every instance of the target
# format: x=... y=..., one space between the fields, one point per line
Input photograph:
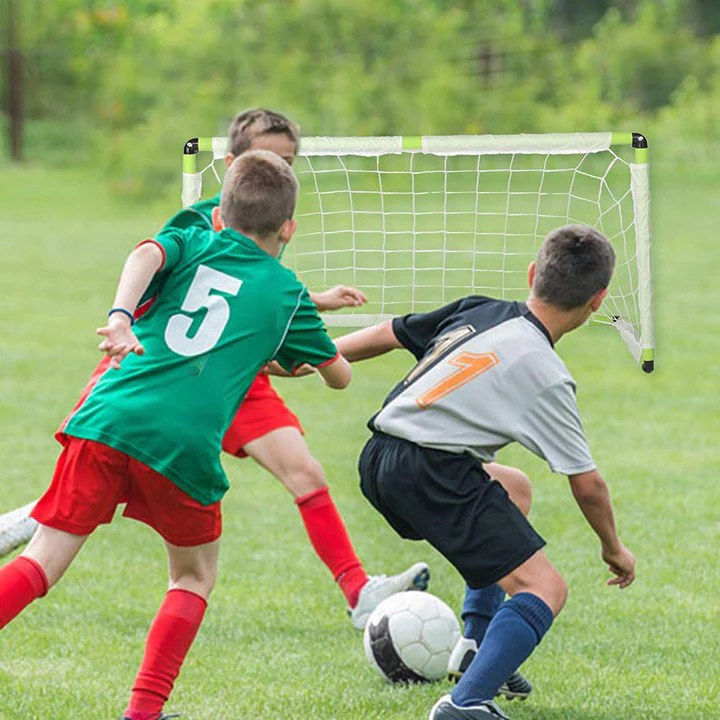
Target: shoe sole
x=510 y=695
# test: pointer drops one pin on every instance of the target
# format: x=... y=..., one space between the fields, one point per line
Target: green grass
x=276 y=644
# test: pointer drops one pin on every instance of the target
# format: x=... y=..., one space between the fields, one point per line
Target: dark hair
x=574 y=263
x=251 y=123
x=259 y=193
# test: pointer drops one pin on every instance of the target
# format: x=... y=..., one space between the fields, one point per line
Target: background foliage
x=124 y=84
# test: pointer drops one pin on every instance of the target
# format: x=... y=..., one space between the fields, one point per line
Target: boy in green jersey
x=225 y=307
x=264 y=428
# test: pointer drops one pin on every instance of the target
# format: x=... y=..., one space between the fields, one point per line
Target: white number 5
x=198 y=297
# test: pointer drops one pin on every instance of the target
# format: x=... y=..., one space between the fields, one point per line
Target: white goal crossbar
x=420 y=221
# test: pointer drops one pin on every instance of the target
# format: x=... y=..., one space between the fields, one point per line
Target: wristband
x=125 y=312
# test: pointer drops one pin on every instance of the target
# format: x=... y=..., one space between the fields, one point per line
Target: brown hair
x=574 y=263
x=251 y=123
x=259 y=193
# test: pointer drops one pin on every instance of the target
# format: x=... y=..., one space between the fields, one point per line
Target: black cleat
x=516 y=686
x=446 y=709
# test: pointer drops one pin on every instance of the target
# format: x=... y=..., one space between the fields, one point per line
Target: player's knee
x=199 y=581
x=556 y=593
x=305 y=476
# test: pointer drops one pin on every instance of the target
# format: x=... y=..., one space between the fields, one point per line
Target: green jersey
x=224 y=308
x=197 y=215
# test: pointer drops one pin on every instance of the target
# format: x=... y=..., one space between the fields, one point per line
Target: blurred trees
x=142 y=77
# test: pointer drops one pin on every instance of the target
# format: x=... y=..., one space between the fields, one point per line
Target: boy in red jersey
x=224 y=307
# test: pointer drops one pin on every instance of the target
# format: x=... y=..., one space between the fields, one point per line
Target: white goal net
x=418 y=222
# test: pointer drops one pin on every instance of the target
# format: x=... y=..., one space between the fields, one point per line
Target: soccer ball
x=409 y=638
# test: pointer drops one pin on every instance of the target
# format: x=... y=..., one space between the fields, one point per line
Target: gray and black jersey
x=487 y=375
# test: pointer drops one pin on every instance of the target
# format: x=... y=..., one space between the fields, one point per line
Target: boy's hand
x=275 y=369
x=119 y=340
x=338 y=297
x=621 y=563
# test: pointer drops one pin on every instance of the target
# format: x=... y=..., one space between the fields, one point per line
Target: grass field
x=276 y=644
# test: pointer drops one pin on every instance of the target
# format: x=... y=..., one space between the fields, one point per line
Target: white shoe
x=462 y=655
x=381 y=587
x=446 y=709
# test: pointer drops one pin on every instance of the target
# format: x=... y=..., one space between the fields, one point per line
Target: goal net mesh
x=417 y=228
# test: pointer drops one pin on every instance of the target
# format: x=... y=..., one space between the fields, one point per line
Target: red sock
x=171 y=635
x=331 y=542
x=21 y=581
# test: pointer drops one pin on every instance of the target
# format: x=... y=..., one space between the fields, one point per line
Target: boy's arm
x=552 y=429
x=414 y=332
x=368 y=342
x=338 y=297
x=336 y=374
x=140 y=267
x=593 y=497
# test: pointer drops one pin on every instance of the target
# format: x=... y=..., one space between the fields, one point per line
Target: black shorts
x=450 y=501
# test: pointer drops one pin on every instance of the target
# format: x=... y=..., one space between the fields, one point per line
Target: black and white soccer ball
x=409 y=638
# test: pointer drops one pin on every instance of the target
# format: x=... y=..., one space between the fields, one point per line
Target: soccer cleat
x=381 y=587
x=161 y=717
x=516 y=686
x=446 y=709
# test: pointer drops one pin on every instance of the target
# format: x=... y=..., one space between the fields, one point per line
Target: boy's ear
x=597 y=299
x=531 y=274
x=229 y=159
x=287 y=230
x=217 y=219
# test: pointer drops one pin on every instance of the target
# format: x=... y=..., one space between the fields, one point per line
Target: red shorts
x=261 y=412
x=92 y=479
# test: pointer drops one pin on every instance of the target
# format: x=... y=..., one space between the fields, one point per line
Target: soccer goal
x=420 y=221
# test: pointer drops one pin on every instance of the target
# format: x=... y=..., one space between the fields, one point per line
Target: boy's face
x=278 y=143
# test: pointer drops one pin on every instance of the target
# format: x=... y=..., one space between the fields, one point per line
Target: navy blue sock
x=479 y=609
x=518 y=626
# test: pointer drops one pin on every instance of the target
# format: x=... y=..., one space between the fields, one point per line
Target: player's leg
x=285 y=454
x=84 y=493
x=192 y=539
x=268 y=432
x=192 y=576
x=450 y=501
x=537 y=595
x=480 y=605
x=33 y=573
x=515 y=481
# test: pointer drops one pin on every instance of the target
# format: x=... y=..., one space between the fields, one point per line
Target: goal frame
x=642 y=347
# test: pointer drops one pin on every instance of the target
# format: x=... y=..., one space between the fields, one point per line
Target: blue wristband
x=124 y=312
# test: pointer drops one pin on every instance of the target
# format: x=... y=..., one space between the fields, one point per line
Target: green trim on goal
x=189 y=164
x=622 y=139
x=642 y=156
x=205 y=144
x=413 y=142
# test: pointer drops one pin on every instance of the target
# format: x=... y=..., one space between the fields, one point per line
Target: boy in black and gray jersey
x=488 y=375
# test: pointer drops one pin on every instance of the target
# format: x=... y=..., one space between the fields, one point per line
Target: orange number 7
x=469 y=366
